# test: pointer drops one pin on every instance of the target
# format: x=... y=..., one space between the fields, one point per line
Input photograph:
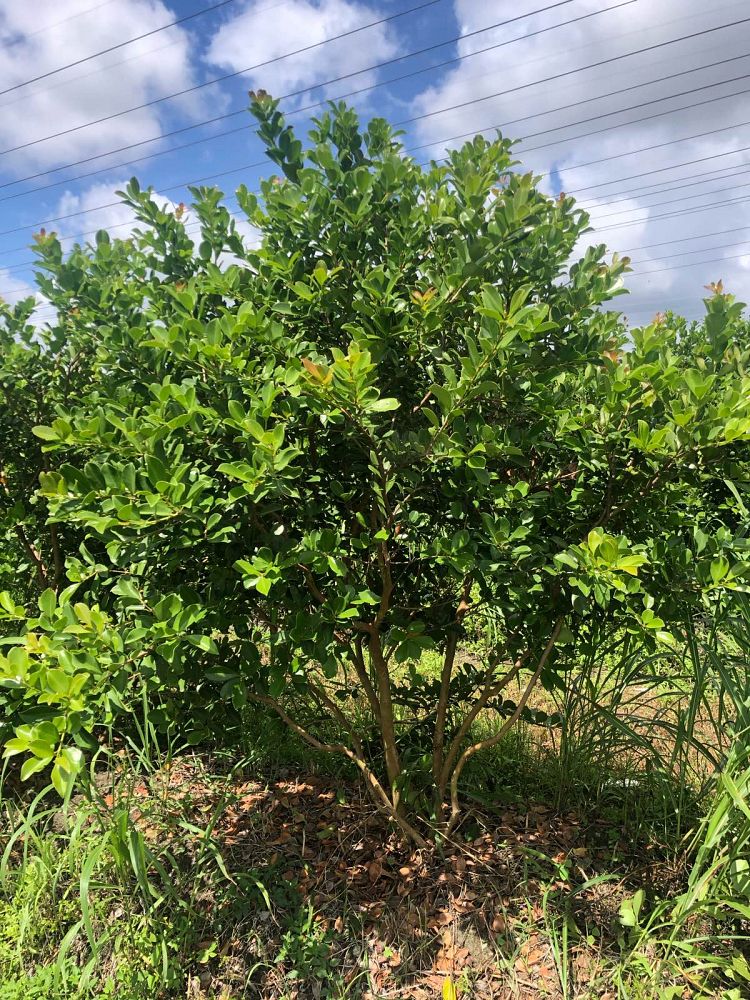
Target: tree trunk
x=387 y=721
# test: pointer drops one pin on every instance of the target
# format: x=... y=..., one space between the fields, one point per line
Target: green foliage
x=401 y=414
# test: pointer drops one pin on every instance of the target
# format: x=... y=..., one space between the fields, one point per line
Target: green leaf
x=383 y=405
x=239 y=470
x=205 y=643
x=630 y=909
x=45 y=433
x=47 y=602
x=518 y=299
x=63 y=779
x=719 y=569
x=33 y=765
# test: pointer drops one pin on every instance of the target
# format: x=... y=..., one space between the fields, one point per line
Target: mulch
x=480 y=913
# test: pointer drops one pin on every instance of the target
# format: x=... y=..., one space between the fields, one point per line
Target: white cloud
x=253 y=36
x=119 y=219
x=622 y=224
x=15 y=288
x=144 y=70
x=88 y=212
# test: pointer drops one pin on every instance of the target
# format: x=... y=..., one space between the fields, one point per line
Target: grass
x=603 y=858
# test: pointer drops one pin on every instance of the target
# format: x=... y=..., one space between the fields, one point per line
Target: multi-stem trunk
x=491 y=741
x=387 y=719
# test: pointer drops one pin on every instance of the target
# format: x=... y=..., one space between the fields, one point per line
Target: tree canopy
x=279 y=471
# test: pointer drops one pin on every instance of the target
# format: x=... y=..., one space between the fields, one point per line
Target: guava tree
x=398 y=415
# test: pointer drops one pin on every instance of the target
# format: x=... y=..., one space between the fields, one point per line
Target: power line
x=192 y=227
x=607 y=114
x=656 y=170
x=690 y=253
x=669 y=215
x=80 y=236
x=636 y=273
x=262 y=162
x=247 y=166
x=113 y=204
x=62 y=20
x=221 y=79
x=673 y=185
x=404 y=76
x=258 y=10
x=673 y=201
x=648 y=149
x=108 y=67
x=296 y=93
x=635 y=121
x=242 y=128
x=616 y=156
x=696 y=263
x=684 y=239
x=119 y=45
x=676 y=214
x=580 y=69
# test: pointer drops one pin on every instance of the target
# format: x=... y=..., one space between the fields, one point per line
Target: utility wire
x=636 y=272
x=119 y=45
x=691 y=253
x=62 y=20
x=632 y=121
x=425 y=3
x=684 y=239
x=221 y=79
x=673 y=185
x=695 y=263
x=396 y=79
x=314 y=86
x=673 y=201
x=648 y=149
x=246 y=166
x=580 y=69
x=251 y=165
x=676 y=214
x=606 y=114
x=258 y=163
x=113 y=204
x=194 y=227
x=656 y=170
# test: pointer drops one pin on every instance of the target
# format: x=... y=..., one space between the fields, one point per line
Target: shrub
x=297 y=466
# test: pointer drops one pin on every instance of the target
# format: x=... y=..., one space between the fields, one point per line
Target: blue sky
x=652 y=142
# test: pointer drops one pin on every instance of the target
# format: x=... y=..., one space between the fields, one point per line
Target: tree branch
x=376 y=788
x=510 y=721
x=446 y=674
x=34 y=555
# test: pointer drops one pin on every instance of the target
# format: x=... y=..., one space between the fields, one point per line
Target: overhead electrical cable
x=314 y=86
x=220 y=79
x=580 y=69
x=698 y=236
x=673 y=201
x=248 y=166
x=425 y=3
x=54 y=24
x=119 y=45
x=675 y=214
x=695 y=263
x=671 y=185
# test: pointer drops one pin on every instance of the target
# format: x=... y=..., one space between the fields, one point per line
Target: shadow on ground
x=321 y=900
